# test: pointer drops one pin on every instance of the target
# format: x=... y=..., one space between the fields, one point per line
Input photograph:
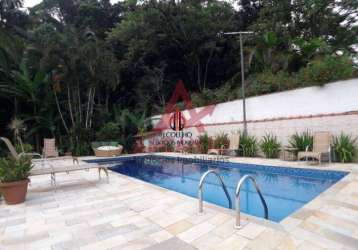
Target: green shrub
x=15 y=170
x=270 y=146
x=80 y=149
x=109 y=131
x=191 y=148
x=268 y=82
x=302 y=141
x=205 y=142
x=248 y=145
x=207 y=96
x=326 y=69
x=221 y=141
x=80 y=141
x=344 y=147
x=26 y=147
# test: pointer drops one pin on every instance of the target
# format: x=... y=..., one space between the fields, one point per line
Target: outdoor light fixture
x=240 y=34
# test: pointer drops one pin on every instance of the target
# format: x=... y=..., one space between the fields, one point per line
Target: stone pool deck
x=84 y=213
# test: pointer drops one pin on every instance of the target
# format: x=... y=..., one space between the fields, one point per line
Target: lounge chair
x=14 y=152
x=48 y=166
x=321 y=147
x=53 y=170
x=233 y=146
x=49 y=149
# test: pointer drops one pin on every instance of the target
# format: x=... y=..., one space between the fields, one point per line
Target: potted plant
x=14 y=180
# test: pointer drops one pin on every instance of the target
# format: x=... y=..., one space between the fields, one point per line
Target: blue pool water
x=284 y=189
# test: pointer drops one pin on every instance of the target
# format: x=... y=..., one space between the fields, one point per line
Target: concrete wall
x=333 y=107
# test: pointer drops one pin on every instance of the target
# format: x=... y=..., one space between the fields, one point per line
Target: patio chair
x=321 y=147
x=49 y=149
x=233 y=146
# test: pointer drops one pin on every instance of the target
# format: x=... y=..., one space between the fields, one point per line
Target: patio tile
x=307 y=245
x=111 y=232
x=172 y=244
x=161 y=236
x=179 y=227
x=250 y=231
x=141 y=243
x=219 y=219
x=290 y=223
x=105 y=244
x=225 y=230
x=85 y=214
x=207 y=241
x=268 y=239
x=234 y=242
x=316 y=238
x=195 y=232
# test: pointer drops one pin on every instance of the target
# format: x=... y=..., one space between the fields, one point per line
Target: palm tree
x=26 y=86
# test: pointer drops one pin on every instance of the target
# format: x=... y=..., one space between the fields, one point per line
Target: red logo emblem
x=176 y=120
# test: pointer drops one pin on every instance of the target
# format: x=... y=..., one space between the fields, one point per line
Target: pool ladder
x=201 y=183
x=237 y=194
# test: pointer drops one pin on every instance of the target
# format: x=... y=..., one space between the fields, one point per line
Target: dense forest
x=81 y=70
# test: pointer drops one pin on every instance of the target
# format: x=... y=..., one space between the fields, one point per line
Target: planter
x=108 y=153
x=14 y=192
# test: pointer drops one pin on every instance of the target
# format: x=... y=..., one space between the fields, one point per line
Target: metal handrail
x=200 y=192
x=237 y=194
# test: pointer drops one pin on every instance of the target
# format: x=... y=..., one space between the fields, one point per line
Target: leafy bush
x=26 y=147
x=15 y=170
x=270 y=146
x=248 y=145
x=82 y=148
x=205 y=142
x=109 y=131
x=344 y=147
x=326 y=69
x=221 y=140
x=301 y=141
x=208 y=96
x=80 y=142
x=191 y=148
x=268 y=82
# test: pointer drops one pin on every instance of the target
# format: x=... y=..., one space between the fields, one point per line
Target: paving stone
x=83 y=213
x=161 y=236
x=250 y=230
x=234 y=242
x=179 y=227
x=195 y=232
x=172 y=244
x=105 y=234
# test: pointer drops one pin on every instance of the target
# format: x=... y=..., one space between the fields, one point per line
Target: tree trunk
x=92 y=107
x=69 y=100
x=88 y=107
x=60 y=112
x=198 y=73
x=206 y=69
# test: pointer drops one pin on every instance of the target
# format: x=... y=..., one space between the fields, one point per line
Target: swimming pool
x=284 y=189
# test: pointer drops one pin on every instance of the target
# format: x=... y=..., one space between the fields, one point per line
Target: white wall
x=333 y=107
x=335 y=97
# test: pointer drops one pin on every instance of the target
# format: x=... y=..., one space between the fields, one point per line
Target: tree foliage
x=69 y=67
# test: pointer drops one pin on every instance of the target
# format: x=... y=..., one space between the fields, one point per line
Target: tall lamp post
x=240 y=34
